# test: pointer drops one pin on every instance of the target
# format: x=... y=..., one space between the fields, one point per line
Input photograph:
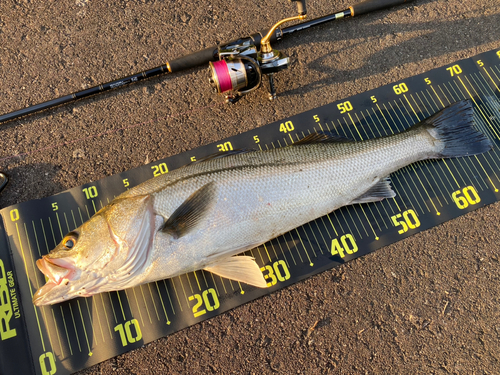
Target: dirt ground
x=425 y=305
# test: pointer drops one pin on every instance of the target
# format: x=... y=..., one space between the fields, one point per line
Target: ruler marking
x=74 y=221
x=146 y=304
x=59 y=224
x=90 y=312
x=66 y=220
x=267 y=253
x=162 y=304
x=314 y=235
x=29 y=284
x=66 y=329
x=360 y=221
x=170 y=299
x=341 y=210
x=83 y=326
x=52 y=231
x=477 y=106
x=113 y=307
x=395 y=123
x=354 y=124
x=80 y=213
x=120 y=302
x=74 y=325
x=197 y=281
x=57 y=331
x=368 y=221
x=425 y=190
x=303 y=246
x=309 y=241
x=184 y=291
x=380 y=122
x=282 y=252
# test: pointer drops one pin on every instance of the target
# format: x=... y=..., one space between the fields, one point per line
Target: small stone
x=78 y=154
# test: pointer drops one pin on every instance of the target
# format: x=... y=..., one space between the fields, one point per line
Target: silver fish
x=200 y=216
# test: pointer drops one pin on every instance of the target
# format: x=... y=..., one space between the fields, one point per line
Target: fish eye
x=70 y=240
x=69 y=243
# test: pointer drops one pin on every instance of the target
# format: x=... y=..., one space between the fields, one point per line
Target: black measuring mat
x=70 y=336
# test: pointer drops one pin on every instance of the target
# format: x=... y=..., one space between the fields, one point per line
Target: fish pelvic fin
x=455 y=128
x=380 y=191
x=190 y=212
x=239 y=268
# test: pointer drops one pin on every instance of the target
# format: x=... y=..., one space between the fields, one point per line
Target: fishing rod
x=236 y=68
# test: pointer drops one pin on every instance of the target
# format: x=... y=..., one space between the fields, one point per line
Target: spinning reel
x=241 y=64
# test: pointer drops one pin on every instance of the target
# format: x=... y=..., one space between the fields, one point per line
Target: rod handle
x=373 y=5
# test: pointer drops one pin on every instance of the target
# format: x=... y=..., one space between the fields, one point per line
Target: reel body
x=242 y=64
x=240 y=69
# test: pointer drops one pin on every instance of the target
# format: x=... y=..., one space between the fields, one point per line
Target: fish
x=205 y=215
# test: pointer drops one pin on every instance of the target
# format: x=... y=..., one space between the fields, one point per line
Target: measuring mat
x=70 y=336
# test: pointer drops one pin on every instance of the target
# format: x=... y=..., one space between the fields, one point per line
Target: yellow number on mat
x=455 y=69
x=90 y=192
x=400 y=89
x=345 y=107
x=204 y=300
x=347 y=245
x=225 y=147
x=159 y=169
x=125 y=332
x=469 y=197
x=410 y=221
x=286 y=127
x=279 y=271
x=14 y=215
x=47 y=363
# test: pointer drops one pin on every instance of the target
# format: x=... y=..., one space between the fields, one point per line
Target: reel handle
x=373 y=5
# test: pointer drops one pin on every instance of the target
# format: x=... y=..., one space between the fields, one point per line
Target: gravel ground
x=425 y=305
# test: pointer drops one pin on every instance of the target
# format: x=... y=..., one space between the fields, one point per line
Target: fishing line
x=51 y=147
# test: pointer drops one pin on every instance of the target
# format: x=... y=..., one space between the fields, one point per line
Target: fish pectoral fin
x=380 y=191
x=239 y=268
x=190 y=212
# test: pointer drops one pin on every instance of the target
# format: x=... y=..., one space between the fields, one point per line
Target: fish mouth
x=57 y=271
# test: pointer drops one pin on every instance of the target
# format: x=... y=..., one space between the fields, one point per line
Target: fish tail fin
x=456 y=132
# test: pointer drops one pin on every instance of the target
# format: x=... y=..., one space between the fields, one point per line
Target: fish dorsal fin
x=223 y=154
x=380 y=191
x=322 y=137
x=190 y=212
x=239 y=268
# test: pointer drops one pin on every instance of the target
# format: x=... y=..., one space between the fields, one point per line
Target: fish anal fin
x=239 y=268
x=380 y=191
x=190 y=212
